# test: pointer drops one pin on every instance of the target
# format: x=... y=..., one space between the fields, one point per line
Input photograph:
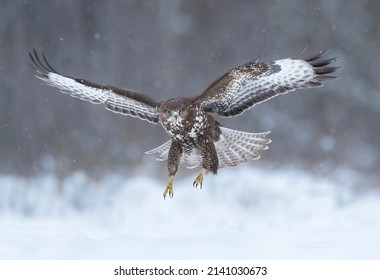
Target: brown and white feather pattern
x=199 y=139
x=234 y=147
x=191 y=159
x=244 y=86
x=123 y=101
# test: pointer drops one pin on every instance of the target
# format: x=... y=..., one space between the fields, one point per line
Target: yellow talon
x=199 y=180
x=169 y=188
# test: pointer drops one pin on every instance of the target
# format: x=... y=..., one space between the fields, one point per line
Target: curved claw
x=197 y=183
x=169 y=188
x=199 y=180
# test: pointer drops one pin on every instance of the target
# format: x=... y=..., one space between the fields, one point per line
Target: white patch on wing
x=75 y=89
x=113 y=102
x=293 y=74
x=253 y=83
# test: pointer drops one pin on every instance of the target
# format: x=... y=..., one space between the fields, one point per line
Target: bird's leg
x=169 y=188
x=199 y=180
x=174 y=158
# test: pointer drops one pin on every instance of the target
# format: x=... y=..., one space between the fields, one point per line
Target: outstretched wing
x=244 y=86
x=123 y=101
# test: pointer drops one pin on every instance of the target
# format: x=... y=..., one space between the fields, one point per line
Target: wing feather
x=123 y=101
x=244 y=86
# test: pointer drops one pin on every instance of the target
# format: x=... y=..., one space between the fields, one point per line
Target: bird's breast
x=189 y=129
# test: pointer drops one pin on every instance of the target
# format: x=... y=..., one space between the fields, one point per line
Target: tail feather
x=192 y=160
x=234 y=147
x=161 y=152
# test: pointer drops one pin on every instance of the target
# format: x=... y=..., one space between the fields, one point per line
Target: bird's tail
x=234 y=147
x=191 y=160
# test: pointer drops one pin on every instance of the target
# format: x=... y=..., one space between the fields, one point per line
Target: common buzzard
x=196 y=137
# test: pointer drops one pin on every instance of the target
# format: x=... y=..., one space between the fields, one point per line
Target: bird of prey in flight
x=196 y=138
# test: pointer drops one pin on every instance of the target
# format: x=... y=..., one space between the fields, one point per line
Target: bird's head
x=173 y=111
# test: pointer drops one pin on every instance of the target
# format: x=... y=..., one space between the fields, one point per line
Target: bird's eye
x=168 y=112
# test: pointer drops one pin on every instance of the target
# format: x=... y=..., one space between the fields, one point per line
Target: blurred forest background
x=177 y=48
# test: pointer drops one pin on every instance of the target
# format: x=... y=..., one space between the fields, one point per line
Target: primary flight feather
x=196 y=138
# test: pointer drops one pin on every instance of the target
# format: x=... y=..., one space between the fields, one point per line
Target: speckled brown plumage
x=196 y=138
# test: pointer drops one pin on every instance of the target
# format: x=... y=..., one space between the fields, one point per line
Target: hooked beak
x=175 y=116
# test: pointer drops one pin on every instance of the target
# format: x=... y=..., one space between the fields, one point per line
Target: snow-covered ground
x=242 y=213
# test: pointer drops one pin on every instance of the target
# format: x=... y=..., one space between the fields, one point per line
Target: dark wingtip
x=318 y=56
x=326 y=77
x=258 y=58
x=322 y=66
x=302 y=51
x=321 y=63
x=48 y=65
x=253 y=61
x=41 y=66
x=325 y=70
